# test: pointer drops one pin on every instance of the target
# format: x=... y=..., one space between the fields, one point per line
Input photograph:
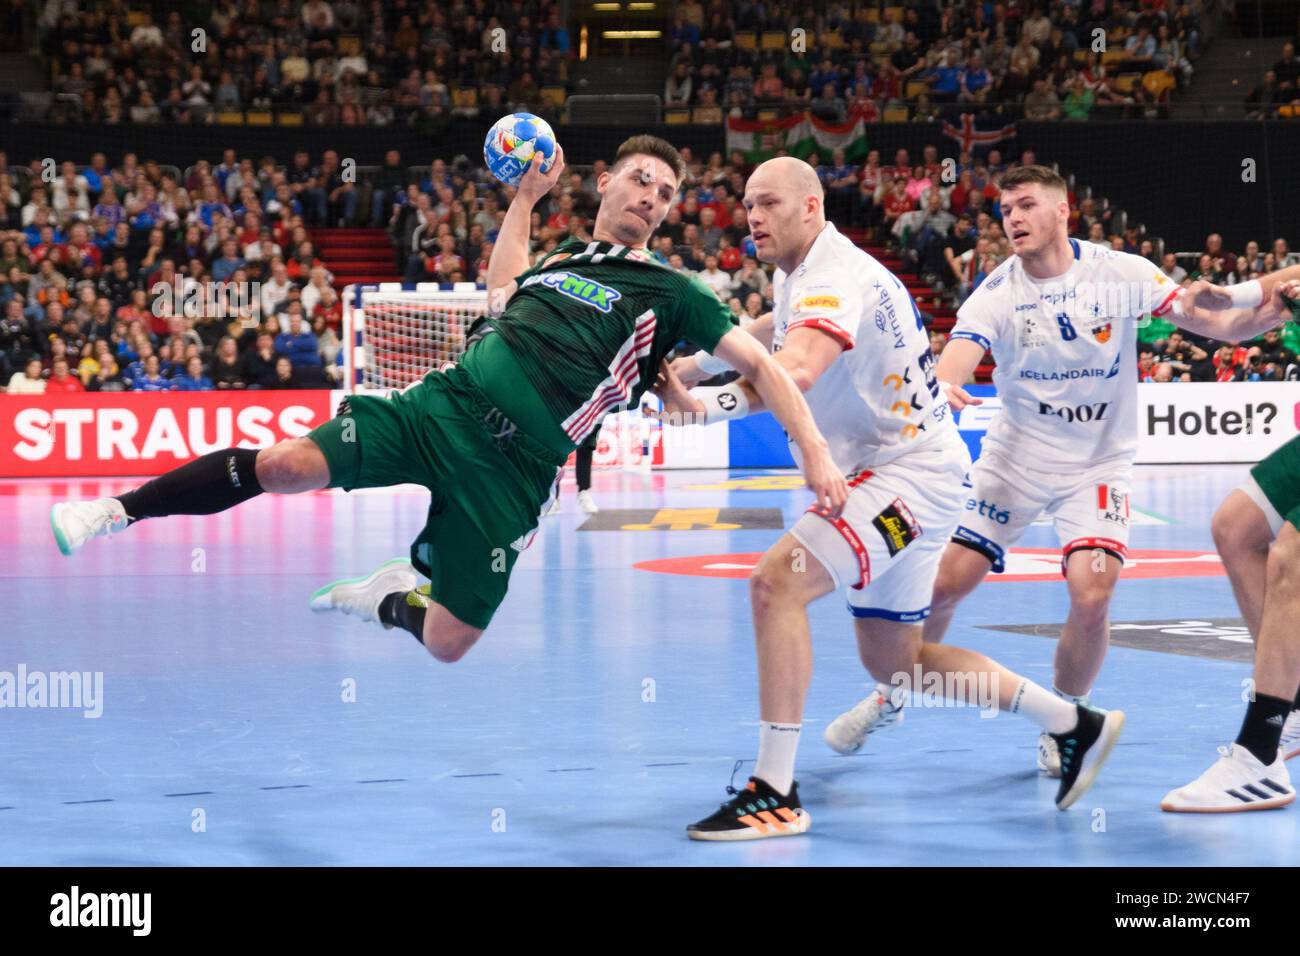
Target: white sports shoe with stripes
x=1236 y=781
x=847 y=732
x=1289 y=745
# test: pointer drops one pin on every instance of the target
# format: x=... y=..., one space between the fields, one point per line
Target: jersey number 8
x=1067 y=328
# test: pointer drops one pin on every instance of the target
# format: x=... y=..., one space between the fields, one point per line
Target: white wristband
x=711 y=365
x=721 y=404
x=1246 y=295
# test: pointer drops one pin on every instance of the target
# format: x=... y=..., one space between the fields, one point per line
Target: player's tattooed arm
x=1215 y=311
x=693 y=369
x=510 y=254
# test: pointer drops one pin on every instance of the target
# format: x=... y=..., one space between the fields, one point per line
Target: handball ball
x=511 y=143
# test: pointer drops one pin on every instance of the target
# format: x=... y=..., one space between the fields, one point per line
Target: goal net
x=393 y=337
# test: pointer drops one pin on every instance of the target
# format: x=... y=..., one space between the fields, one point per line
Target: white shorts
x=1090 y=509
x=884 y=549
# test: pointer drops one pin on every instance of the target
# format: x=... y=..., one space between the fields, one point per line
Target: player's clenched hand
x=535 y=184
x=825 y=480
x=958 y=398
x=688 y=370
x=680 y=406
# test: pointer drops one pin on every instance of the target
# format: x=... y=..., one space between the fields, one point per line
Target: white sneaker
x=1236 y=781
x=586 y=502
x=362 y=596
x=1289 y=745
x=1049 y=755
x=76 y=522
x=847 y=732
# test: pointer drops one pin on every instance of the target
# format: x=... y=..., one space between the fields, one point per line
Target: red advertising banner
x=102 y=435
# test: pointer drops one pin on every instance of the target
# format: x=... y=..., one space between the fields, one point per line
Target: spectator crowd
x=1040 y=57
x=343 y=62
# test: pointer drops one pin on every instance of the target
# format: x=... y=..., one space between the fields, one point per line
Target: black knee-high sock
x=582 y=466
x=1296 y=705
x=1261 y=731
x=396 y=611
x=212 y=483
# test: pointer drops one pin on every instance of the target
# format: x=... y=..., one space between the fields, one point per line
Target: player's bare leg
x=961 y=569
x=895 y=653
x=785 y=582
x=1090 y=577
x=1242 y=536
x=209 y=484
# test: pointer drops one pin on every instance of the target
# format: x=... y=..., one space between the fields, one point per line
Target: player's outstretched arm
x=692 y=369
x=771 y=383
x=1240 y=312
x=510 y=254
x=957 y=364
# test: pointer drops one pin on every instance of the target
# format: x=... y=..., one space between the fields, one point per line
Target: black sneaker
x=753 y=813
x=1084 y=749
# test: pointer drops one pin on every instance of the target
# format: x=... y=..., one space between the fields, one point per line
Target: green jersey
x=589 y=325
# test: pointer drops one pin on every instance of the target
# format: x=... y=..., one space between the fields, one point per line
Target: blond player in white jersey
x=1061 y=319
x=850 y=336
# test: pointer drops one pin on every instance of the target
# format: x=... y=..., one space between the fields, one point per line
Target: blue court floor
x=602 y=711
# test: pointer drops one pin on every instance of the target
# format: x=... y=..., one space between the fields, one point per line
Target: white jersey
x=879 y=398
x=1066 y=353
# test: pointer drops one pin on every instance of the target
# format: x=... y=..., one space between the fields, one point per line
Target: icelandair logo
x=576 y=287
x=1071 y=373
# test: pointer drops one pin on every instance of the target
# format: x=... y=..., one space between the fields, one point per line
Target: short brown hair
x=647 y=145
x=1024 y=175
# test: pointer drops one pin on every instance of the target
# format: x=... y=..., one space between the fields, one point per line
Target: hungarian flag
x=973 y=139
x=800 y=135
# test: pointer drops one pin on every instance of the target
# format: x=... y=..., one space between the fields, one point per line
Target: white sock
x=1070 y=697
x=1048 y=711
x=777 y=744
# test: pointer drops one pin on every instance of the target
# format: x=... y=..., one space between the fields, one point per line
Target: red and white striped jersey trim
x=617 y=388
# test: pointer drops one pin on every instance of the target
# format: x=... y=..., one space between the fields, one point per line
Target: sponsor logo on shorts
x=896 y=526
x=1112 y=505
x=578 y=288
x=727 y=401
x=989 y=510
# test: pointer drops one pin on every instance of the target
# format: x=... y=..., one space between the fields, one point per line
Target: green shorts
x=489 y=481
x=1278 y=476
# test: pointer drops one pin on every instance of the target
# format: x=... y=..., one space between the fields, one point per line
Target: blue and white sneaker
x=76 y=522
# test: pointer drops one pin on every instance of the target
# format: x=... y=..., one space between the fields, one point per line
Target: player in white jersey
x=852 y=339
x=1060 y=318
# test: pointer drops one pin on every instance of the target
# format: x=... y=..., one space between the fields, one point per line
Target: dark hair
x=1024 y=175
x=647 y=145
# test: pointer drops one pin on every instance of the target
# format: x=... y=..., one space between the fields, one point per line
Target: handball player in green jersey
x=581 y=333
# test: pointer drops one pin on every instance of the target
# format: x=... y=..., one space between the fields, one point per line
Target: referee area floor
x=602 y=711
